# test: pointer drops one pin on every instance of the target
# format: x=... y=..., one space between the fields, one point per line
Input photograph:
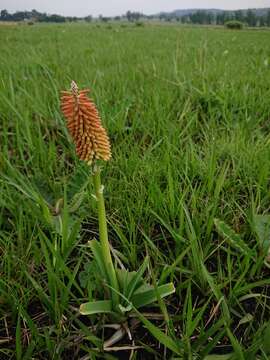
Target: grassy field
x=188 y=114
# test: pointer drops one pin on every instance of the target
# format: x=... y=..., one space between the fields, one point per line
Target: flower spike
x=84 y=125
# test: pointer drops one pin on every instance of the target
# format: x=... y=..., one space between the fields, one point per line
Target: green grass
x=188 y=114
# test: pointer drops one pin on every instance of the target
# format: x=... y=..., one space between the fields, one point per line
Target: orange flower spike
x=84 y=125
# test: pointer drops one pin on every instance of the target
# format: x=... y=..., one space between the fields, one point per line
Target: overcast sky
x=118 y=7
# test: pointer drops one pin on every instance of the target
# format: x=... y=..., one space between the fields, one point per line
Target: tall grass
x=187 y=111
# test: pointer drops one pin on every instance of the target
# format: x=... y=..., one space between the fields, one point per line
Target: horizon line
x=147 y=14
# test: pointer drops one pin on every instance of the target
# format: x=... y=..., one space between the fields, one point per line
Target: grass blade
x=96 y=307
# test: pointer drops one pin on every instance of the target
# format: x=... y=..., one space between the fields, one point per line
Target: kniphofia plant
x=92 y=143
x=128 y=289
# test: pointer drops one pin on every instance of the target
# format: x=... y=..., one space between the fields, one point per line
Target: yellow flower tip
x=84 y=125
x=74 y=88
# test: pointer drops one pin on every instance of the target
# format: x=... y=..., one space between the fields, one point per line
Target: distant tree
x=104 y=18
x=221 y=18
x=4 y=15
x=228 y=16
x=58 y=18
x=202 y=17
x=234 y=24
x=261 y=21
x=210 y=18
x=129 y=15
x=251 y=18
x=186 y=19
x=268 y=18
x=35 y=14
x=21 y=15
x=196 y=18
x=55 y=18
x=43 y=18
x=72 y=18
x=133 y=16
x=88 y=18
x=239 y=16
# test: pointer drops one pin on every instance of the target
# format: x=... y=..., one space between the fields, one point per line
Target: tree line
x=248 y=17
x=203 y=17
x=32 y=15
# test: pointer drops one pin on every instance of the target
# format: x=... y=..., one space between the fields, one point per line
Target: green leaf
x=74 y=230
x=137 y=279
x=87 y=276
x=218 y=294
x=239 y=354
x=232 y=238
x=96 y=307
x=97 y=252
x=164 y=339
x=46 y=300
x=266 y=339
x=125 y=309
x=76 y=201
x=245 y=319
x=124 y=278
x=262 y=228
x=130 y=281
x=143 y=298
x=218 y=357
x=77 y=184
x=216 y=332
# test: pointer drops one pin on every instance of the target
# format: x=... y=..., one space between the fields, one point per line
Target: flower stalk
x=103 y=236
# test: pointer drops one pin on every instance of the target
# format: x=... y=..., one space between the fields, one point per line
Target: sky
x=119 y=7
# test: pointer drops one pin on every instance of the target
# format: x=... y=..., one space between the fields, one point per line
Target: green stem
x=103 y=236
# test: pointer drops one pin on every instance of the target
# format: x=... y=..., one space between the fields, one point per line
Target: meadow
x=187 y=111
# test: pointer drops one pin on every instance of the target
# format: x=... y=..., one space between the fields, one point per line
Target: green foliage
x=234 y=239
x=262 y=229
x=234 y=24
x=96 y=307
x=134 y=291
x=266 y=339
x=139 y=23
x=219 y=357
x=189 y=127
